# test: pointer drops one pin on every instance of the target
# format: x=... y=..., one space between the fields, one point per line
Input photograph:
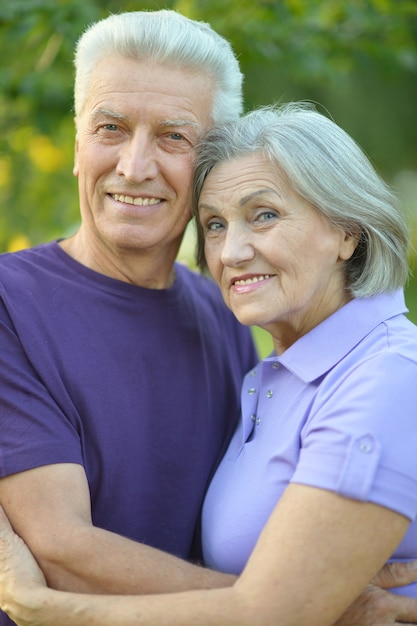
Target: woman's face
x=277 y=260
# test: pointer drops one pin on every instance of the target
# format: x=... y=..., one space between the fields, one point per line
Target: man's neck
x=143 y=269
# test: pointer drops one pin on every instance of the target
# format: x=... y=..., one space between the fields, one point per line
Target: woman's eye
x=213 y=226
x=265 y=216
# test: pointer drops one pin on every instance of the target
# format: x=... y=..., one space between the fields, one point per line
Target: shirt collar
x=318 y=351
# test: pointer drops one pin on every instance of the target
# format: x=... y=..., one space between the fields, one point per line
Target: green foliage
x=357 y=58
x=317 y=39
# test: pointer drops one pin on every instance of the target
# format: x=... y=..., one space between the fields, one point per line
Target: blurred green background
x=356 y=59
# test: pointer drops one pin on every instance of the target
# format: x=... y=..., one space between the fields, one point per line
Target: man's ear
x=75 y=168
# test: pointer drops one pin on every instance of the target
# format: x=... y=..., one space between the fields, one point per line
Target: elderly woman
x=318 y=488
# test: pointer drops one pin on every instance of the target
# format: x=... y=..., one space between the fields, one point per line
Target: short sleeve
x=360 y=439
x=34 y=429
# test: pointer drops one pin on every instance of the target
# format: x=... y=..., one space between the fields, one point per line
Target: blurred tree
x=357 y=58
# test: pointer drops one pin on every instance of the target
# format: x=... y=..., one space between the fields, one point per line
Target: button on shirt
x=337 y=410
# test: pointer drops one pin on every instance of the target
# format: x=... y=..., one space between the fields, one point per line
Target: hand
x=19 y=572
x=377 y=607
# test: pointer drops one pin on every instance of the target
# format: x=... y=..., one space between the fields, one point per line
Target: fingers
x=376 y=607
x=405 y=609
x=19 y=570
x=396 y=574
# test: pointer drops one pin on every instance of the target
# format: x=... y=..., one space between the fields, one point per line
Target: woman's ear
x=348 y=244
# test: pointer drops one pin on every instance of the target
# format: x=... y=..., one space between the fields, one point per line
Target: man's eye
x=176 y=136
x=176 y=143
x=111 y=127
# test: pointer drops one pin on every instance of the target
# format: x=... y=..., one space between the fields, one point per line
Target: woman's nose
x=237 y=247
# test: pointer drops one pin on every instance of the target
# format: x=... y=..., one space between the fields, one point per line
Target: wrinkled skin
x=376 y=607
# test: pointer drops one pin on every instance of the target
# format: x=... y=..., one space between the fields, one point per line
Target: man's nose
x=137 y=159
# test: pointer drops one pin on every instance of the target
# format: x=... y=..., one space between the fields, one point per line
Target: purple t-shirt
x=337 y=410
x=139 y=386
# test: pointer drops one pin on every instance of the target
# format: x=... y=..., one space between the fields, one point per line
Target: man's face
x=134 y=154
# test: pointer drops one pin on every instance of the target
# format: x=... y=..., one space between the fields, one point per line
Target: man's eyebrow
x=99 y=113
x=179 y=122
x=168 y=123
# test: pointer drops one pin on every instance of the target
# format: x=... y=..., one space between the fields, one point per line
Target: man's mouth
x=135 y=201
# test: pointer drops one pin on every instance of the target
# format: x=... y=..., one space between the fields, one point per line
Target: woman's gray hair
x=328 y=169
x=166 y=37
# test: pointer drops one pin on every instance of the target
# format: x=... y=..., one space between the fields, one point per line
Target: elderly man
x=120 y=370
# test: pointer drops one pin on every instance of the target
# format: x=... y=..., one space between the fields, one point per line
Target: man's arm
x=49 y=507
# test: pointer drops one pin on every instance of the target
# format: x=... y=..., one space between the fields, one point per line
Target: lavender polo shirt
x=337 y=411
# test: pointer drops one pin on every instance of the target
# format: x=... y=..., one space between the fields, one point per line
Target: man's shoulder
x=211 y=310
x=25 y=271
x=23 y=259
x=199 y=284
x=204 y=294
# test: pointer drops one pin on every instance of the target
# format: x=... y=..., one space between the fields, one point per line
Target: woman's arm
x=314 y=557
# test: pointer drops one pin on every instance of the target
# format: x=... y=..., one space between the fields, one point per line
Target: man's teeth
x=135 y=201
x=254 y=279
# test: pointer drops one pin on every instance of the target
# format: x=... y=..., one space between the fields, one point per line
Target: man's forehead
x=149 y=93
x=106 y=113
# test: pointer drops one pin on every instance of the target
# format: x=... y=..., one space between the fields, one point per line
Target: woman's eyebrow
x=258 y=192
